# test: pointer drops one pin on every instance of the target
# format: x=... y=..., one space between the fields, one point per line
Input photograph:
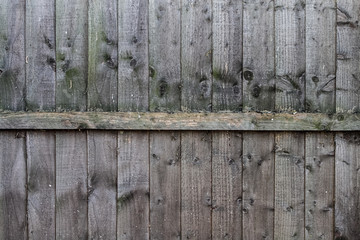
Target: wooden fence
x=179 y=119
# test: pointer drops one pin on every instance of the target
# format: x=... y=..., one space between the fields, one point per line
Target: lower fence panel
x=179 y=185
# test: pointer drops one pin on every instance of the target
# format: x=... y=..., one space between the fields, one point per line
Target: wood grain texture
x=226 y=185
x=40 y=55
x=71 y=54
x=259 y=55
x=13 y=222
x=164 y=55
x=133 y=186
x=348 y=56
x=133 y=68
x=196 y=52
x=320 y=182
x=41 y=184
x=289 y=186
x=347 y=195
x=258 y=185
x=227 y=55
x=12 y=55
x=196 y=191
x=71 y=185
x=102 y=184
x=290 y=54
x=103 y=56
x=320 y=55
x=165 y=185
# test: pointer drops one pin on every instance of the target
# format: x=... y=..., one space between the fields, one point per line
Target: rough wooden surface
x=320 y=182
x=102 y=184
x=320 y=55
x=196 y=53
x=165 y=185
x=347 y=195
x=40 y=55
x=181 y=121
x=289 y=186
x=12 y=55
x=133 y=44
x=103 y=56
x=290 y=54
x=259 y=55
x=226 y=185
x=227 y=55
x=133 y=186
x=40 y=151
x=13 y=196
x=71 y=54
x=71 y=185
x=196 y=185
x=164 y=55
x=258 y=185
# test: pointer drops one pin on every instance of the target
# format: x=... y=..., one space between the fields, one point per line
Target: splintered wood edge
x=180 y=121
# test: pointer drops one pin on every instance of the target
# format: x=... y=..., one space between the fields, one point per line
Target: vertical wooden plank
x=165 y=183
x=41 y=184
x=71 y=54
x=226 y=185
x=133 y=185
x=13 y=224
x=258 y=185
x=133 y=55
x=164 y=54
x=259 y=55
x=102 y=184
x=289 y=186
x=196 y=185
x=347 y=182
x=320 y=55
x=348 y=56
x=319 y=188
x=196 y=54
x=290 y=54
x=40 y=55
x=227 y=55
x=12 y=54
x=103 y=56
x=71 y=185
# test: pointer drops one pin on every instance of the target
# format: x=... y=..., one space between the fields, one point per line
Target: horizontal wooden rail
x=180 y=121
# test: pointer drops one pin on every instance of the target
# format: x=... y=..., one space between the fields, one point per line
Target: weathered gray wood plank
x=196 y=185
x=41 y=184
x=40 y=55
x=227 y=55
x=165 y=185
x=71 y=185
x=103 y=56
x=259 y=55
x=290 y=54
x=164 y=55
x=71 y=54
x=347 y=183
x=258 y=185
x=226 y=185
x=102 y=184
x=319 y=188
x=289 y=186
x=133 y=185
x=196 y=54
x=12 y=54
x=13 y=222
x=348 y=57
x=133 y=56
x=320 y=55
